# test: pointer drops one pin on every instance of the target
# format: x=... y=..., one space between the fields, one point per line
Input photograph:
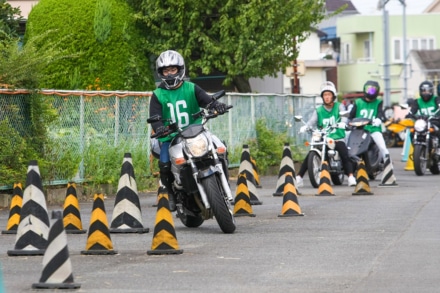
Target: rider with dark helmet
x=369 y=106
x=178 y=100
x=428 y=103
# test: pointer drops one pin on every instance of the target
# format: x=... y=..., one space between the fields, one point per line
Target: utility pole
x=405 y=67
x=386 y=78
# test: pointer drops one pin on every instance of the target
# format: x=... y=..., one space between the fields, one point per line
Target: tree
x=242 y=38
x=9 y=20
x=103 y=36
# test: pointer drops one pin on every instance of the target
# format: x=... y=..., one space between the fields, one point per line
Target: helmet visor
x=425 y=88
x=371 y=90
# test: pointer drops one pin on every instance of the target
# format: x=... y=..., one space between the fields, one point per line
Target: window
x=426 y=43
x=367 y=50
x=345 y=53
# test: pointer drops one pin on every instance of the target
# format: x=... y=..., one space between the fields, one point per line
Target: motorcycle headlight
x=316 y=136
x=197 y=146
x=420 y=125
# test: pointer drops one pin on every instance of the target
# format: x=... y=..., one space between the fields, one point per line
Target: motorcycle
x=394 y=135
x=322 y=148
x=361 y=146
x=199 y=165
x=426 y=152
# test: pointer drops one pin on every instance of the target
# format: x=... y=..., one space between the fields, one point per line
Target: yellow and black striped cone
x=127 y=216
x=34 y=224
x=388 y=178
x=57 y=267
x=246 y=167
x=242 y=205
x=325 y=186
x=98 y=241
x=71 y=214
x=164 y=239
x=362 y=185
x=255 y=173
x=290 y=200
x=285 y=167
x=14 y=210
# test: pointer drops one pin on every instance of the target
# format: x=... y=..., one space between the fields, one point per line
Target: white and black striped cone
x=246 y=167
x=388 y=178
x=127 y=216
x=57 y=268
x=286 y=166
x=34 y=224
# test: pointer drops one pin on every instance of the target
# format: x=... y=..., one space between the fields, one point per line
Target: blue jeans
x=164 y=155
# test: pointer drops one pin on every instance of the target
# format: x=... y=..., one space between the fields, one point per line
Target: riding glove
x=376 y=122
x=220 y=108
x=341 y=125
x=161 y=130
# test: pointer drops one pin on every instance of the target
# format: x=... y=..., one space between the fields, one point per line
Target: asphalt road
x=385 y=242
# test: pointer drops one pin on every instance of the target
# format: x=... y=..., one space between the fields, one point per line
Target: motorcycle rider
x=372 y=108
x=178 y=100
x=328 y=113
x=428 y=103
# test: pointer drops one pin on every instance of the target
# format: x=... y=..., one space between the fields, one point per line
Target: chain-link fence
x=99 y=120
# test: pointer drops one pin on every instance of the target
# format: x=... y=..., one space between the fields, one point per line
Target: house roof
x=429 y=60
x=333 y=5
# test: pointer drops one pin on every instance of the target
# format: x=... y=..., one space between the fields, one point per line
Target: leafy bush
x=103 y=36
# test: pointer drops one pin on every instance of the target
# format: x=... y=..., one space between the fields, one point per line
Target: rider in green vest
x=428 y=103
x=178 y=100
x=328 y=114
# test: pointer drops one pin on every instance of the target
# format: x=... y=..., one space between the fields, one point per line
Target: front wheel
x=188 y=220
x=420 y=159
x=314 y=168
x=219 y=205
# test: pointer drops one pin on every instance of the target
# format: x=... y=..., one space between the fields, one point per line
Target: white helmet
x=167 y=59
x=328 y=86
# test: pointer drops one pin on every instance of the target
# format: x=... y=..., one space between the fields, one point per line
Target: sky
x=393 y=6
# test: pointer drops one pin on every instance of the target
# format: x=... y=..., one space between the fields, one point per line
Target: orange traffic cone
x=325 y=187
x=290 y=200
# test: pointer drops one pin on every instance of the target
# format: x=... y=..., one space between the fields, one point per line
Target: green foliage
x=102 y=34
x=239 y=37
x=9 y=20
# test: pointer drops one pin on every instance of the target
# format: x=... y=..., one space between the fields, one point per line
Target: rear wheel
x=314 y=168
x=420 y=159
x=221 y=208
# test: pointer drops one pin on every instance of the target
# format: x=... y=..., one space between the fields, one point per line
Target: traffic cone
x=14 y=210
x=362 y=185
x=388 y=178
x=71 y=214
x=290 y=200
x=242 y=205
x=57 y=268
x=164 y=239
x=98 y=241
x=325 y=186
x=127 y=216
x=34 y=223
x=410 y=162
x=285 y=167
x=246 y=166
x=255 y=173
x=406 y=146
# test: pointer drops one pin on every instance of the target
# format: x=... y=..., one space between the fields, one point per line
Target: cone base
x=164 y=251
x=394 y=184
x=277 y=194
x=244 y=215
x=26 y=252
x=131 y=230
x=98 y=252
x=290 y=215
x=9 y=232
x=325 y=194
x=256 y=202
x=56 y=286
x=362 y=193
x=75 y=231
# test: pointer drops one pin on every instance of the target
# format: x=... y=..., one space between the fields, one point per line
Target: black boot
x=166 y=177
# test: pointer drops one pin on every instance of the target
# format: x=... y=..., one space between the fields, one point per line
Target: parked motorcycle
x=199 y=165
x=426 y=144
x=395 y=135
x=361 y=146
x=322 y=148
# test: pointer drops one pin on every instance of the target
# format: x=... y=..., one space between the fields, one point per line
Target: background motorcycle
x=322 y=148
x=361 y=146
x=394 y=134
x=426 y=145
x=199 y=165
